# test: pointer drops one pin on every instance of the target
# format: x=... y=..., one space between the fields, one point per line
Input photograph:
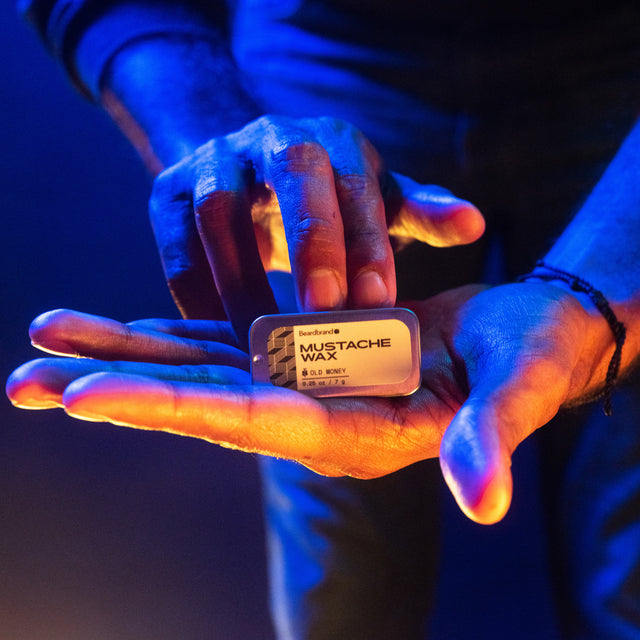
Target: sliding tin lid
x=373 y=352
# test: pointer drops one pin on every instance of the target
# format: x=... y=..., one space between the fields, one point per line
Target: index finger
x=223 y=218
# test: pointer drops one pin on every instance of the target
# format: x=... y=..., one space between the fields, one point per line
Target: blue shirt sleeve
x=85 y=34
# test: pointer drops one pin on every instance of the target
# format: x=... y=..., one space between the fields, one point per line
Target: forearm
x=161 y=68
x=169 y=95
x=602 y=243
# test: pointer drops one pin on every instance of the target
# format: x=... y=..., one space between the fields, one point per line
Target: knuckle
x=207 y=150
x=202 y=351
x=306 y=156
x=217 y=187
x=367 y=238
x=268 y=120
x=256 y=131
x=213 y=202
x=238 y=435
x=308 y=228
x=179 y=275
x=169 y=187
x=169 y=183
x=200 y=374
x=159 y=189
x=264 y=120
x=370 y=152
x=128 y=336
x=333 y=126
x=364 y=188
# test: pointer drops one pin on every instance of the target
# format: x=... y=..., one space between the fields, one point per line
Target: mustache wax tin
x=370 y=352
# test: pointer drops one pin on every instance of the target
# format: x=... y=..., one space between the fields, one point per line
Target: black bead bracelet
x=618 y=329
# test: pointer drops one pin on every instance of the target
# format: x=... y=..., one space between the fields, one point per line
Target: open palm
x=497 y=363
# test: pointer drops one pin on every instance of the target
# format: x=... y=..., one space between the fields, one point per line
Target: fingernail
x=369 y=290
x=322 y=291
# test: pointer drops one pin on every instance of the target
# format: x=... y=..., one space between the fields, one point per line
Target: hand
x=496 y=365
x=309 y=195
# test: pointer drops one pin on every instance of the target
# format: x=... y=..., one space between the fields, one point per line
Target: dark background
x=115 y=534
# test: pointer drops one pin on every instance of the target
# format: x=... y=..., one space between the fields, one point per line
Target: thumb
x=476 y=463
x=432 y=214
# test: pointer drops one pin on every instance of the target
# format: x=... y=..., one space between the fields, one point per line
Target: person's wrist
x=604 y=334
x=165 y=112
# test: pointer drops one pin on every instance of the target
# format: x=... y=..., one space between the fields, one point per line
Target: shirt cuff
x=123 y=24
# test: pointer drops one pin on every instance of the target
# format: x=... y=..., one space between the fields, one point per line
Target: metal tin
x=370 y=352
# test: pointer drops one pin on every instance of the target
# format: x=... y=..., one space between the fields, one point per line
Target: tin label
x=346 y=354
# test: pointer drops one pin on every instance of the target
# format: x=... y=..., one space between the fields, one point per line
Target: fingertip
x=467 y=223
x=120 y=398
x=476 y=468
x=27 y=388
x=487 y=501
x=432 y=214
x=44 y=331
x=456 y=222
x=87 y=397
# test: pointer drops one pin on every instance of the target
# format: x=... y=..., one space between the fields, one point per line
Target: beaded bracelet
x=619 y=330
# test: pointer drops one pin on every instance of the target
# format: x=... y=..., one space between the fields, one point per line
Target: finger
x=183 y=258
x=476 y=465
x=39 y=384
x=369 y=255
x=517 y=395
x=430 y=214
x=299 y=170
x=364 y=438
x=65 y=332
x=191 y=329
x=247 y=417
x=223 y=218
